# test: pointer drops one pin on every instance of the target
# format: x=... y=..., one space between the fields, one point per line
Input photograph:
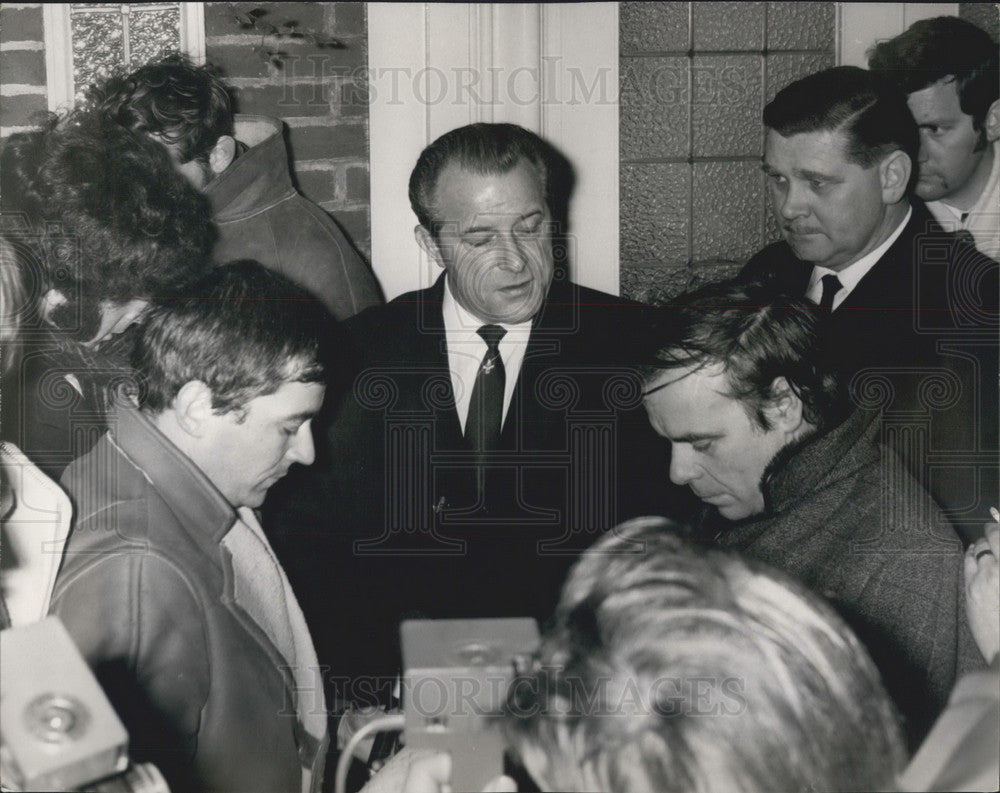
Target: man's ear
x=222 y=154
x=428 y=244
x=784 y=411
x=894 y=174
x=993 y=122
x=193 y=407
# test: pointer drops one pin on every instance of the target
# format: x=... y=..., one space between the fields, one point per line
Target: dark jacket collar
x=200 y=507
x=258 y=179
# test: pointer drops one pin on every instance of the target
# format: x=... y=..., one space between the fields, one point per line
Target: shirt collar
x=851 y=275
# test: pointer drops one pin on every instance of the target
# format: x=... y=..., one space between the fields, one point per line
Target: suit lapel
x=432 y=351
x=549 y=334
x=889 y=284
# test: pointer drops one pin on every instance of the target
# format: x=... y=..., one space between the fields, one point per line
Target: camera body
x=455 y=681
x=57 y=729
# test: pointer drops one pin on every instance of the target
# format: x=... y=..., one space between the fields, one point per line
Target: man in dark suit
x=912 y=311
x=493 y=431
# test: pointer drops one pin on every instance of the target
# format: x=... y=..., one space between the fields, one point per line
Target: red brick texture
x=313 y=89
x=22 y=66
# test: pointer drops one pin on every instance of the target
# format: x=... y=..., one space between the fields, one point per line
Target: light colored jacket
x=34 y=533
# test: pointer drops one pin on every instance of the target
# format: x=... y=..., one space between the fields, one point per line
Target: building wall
x=22 y=66
x=694 y=80
x=314 y=89
x=986 y=15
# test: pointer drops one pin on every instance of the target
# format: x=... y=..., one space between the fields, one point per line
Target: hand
x=431 y=774
x=982 y=591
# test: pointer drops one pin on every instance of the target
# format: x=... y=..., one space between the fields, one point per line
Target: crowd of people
x=180 y=328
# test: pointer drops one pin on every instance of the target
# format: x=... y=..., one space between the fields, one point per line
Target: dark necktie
x=831 y=285
x=482 y=427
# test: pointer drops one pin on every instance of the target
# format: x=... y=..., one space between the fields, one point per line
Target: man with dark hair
x=911 y=311
x=760 y=431
x=169 y=586
x=241 y=165
x=949 y=70
x=102 y=225
x=493 y=428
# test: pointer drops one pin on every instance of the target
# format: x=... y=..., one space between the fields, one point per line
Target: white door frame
x=552 y=68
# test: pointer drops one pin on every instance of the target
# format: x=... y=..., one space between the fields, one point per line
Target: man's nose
x=682 y=468
x=793 y=203
x=301 y=449
x=512 y=255
x=923 y=155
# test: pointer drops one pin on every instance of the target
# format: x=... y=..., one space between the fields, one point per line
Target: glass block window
x=108 y=35
x=694 y=79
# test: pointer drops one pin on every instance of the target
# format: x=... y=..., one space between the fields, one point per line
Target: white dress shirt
x=983 y=219
x=851 y=275
x=466 y=349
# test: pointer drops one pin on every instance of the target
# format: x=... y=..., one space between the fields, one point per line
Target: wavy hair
x=482 y=149
x=172 y=99
x=244 y=331
x=757 y=334
x=942 y=48
x=670 y=668
x=111 y=218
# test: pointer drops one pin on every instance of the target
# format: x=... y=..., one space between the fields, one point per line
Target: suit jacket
x=396 y=522
x=918 y=339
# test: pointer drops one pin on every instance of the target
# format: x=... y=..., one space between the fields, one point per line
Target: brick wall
x=317 y=90
x=314 y=91
x=694 y=81
x=22 y=66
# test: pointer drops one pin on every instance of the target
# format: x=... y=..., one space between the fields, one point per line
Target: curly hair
x=172 y=99
x=757 y=334
x=112 y=218
x=670 y=668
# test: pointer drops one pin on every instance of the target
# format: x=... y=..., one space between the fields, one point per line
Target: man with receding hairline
x=761 y=431
x=905 y=303
x=494 y=427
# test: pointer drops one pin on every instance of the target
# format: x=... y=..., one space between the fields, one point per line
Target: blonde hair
x=13 y=302
x=674 y=669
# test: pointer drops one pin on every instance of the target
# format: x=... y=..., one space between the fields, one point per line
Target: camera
x=456 y=676
x=57 y=729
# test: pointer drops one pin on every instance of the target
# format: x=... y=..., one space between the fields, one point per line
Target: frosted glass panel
x=111 y=35
x=154 y=33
